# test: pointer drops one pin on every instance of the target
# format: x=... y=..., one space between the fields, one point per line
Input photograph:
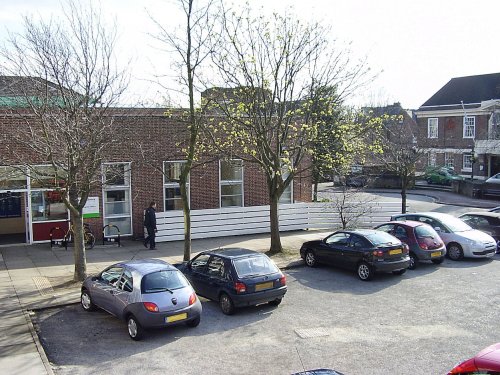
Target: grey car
x=147 y=293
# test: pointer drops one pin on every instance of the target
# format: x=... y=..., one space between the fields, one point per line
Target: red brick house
x=28 y=211
x=459 y=126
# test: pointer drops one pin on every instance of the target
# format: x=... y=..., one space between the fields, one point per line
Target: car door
x=122 y=294
x=105 y=286
x=216 y=276
x=335 y=245
x=197 y=273
x=353 y=253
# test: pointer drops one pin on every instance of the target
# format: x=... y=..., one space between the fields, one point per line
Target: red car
x=487 y=361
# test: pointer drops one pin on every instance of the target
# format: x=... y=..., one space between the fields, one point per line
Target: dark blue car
x=235 y=278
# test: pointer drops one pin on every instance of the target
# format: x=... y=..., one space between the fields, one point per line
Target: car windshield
x=456 y=225
x=381 y=238
x=162 y=281
x=425 y=231
x=254 y=266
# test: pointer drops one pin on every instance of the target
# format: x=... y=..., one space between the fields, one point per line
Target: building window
x=467 y=165
x=231 y=183
x=171 y=187
x=469 y=127
x=432 y=128
x=449 y=160
x=117 y=202
x=287 y=196
x=432 y=159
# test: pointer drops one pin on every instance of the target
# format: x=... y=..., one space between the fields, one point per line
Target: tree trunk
x=315 y=191
x=79 y=248
x=403 y=194
x=275 y=225
x=187 y=220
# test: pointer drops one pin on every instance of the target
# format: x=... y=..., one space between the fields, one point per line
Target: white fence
x=233 y=221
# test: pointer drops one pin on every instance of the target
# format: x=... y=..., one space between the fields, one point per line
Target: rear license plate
x=436 y=254
x=263 y=286
x=175 y=318
x=395 y=251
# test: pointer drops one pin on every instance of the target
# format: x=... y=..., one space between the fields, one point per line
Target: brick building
x=459 y=126
x=131 y=179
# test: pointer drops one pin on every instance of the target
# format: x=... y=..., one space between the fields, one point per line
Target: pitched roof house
x=460 y=125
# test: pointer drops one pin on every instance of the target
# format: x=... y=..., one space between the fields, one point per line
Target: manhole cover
x=308 y=333
x=43 y=285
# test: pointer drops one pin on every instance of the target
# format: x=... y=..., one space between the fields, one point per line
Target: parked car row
x=151 y=293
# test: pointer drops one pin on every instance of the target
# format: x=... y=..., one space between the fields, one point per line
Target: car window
x=216 y=267
x=112 y=275
x=425 y=231
x=198 y=264
x=400 y=232
x=254 y=265
x=338 y=239
x=475 y=221
x=381 y=238
x=386 y=228
x=161 y=281
x=126 y=282
x=359 y=242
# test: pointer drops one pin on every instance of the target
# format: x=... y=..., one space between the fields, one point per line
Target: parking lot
x=420 y=323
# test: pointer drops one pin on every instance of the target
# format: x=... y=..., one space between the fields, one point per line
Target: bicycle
x=89 y=238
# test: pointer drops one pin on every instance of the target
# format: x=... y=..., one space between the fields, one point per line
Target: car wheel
x=86 y=301
x=413 y=262
x=311 y=259
x=275 y=302
x=438 y=260
x=135 y=330
x=399 y=272
x=194 y=323
x=365 y=272
x=226 y=304
x=455 y=251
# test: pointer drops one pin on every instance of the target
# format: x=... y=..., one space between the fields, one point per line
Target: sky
x=415 y=46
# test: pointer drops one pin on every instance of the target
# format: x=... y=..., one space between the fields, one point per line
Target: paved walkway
x=35 y=277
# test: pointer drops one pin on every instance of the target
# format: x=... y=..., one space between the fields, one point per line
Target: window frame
x=449 y=160
x=105 y=188
x=471 y=134
x=465 y=166
x=432 y=159
x=232 y=183
x=170 y=185
x=433 y=128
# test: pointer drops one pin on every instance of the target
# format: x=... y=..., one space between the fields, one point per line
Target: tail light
x=406 y=248
x=192 y=298
x=150 y=306
x=467 y=367
x=240 y=287
x=283 y=280
x=378 y=253
x=423 y=246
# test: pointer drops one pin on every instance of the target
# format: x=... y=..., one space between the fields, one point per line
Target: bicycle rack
x=61 y=242
x=114 y=239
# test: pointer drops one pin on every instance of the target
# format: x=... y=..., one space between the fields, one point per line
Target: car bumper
x=430 y=254
x=391 y=266
x=480 y=252
x=149 y=319
x=257 y=298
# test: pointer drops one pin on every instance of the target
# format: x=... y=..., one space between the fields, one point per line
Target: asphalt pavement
x=37 y=277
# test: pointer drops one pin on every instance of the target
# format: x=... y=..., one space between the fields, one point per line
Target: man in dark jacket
x=150 y=224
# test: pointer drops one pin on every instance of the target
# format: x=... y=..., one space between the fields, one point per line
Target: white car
x=460 y=239
x=495 y=179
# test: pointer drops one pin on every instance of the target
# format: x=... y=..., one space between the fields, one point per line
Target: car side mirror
x=94 y=278
x=188 y=265
x=437 y=229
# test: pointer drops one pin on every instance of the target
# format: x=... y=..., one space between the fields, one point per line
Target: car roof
x=232 y=253
x=145 y=266
x=434 y=215
x=407 y=223
x=483 y=213
x=362 y=232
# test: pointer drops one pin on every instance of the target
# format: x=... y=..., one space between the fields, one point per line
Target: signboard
x=91 y=208
x=10 y=205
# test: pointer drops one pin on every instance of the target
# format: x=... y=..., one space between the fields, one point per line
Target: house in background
x=459 y=126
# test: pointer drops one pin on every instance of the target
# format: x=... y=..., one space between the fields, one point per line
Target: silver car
x=460 y=239
x=147 y=293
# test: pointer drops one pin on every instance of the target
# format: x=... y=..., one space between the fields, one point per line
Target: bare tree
x=68 y=81
x=269 y=67
x=191 y=45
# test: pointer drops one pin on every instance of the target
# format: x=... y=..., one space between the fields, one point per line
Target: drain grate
x=43 y=285
x=308 y=333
